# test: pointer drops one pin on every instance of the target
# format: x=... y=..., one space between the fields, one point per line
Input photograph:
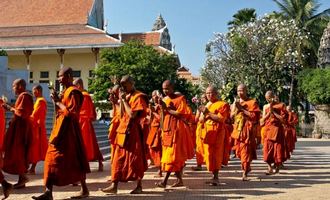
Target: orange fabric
x=213 y=135
x=39 y=142
x=274 y=139
x=17 y=138
x=177 y=142
x=154 y=138
x=129 y=160
x=290 y=131
x=65 y=161
x=113 y=129
x=199 y=144
x=86 y=118
x=245 y=133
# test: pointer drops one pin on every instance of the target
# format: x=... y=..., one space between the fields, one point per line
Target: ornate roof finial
x=159 y=23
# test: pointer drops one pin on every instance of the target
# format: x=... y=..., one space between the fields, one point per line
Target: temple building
x=183 y=72
x=324 y=49
x=43 y=36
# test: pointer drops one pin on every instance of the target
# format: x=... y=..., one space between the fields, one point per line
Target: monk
x=290 y=129
x=129 y=160
x=273 y=120
x=246 y=115
x=215 y=114
x=114 y=100
x=86 y=117
x=66 y=161
x=199 y=142
x=176 y=138
x=17 y=138
x=154 y=136
x=39 y=138
x=6 y=187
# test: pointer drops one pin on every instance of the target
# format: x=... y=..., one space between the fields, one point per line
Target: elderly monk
x=290 y=129
x=199 y=142
x=176 y=138
x=274 y=119
x=65 y=161
x=39 y=143
x=86 y=117
x=6 y=187
x=154 y=136
x=129 y=160
x=215 y=114
x=114 y=101
x=17 y=139
x=246 y=114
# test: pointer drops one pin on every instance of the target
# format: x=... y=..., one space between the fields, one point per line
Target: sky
x=191 y=23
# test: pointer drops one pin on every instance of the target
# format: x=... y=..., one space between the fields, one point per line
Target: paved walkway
x=307 y=176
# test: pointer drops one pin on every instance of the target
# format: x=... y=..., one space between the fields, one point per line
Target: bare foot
x=45 y=196
x=6 y=189
x=21 y=183
x=160 y=184
x=177 y=184
x=137 y=190
x=81 y=194
x=100 y=167
x=110 y=190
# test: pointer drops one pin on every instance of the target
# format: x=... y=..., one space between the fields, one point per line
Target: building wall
x=50 y=63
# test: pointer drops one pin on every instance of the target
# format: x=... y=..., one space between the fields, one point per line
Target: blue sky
x=191 y=23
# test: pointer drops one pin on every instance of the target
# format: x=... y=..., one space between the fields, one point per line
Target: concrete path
x=307 y=176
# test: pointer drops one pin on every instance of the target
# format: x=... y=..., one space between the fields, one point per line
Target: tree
x=243 y=16
x=262 y=54
x=303 y=12
x=148 y=67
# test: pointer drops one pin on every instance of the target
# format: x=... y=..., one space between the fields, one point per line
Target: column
x=27 y=54
x=96 y=52
x=61 y=54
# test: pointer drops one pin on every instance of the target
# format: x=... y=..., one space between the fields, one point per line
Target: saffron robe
x=18 y=136
x=154 y=138
x=2 y=125
x=177 y=142
x=244 y=133
x=129 y=160
x=66 y=161
x=113 y=130
x=213 y=135
x=39 y=142
x=274 y=136
x=290 y=131
x=86 y=117
x=199 y=143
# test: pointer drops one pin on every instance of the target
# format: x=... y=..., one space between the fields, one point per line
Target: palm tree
x=243 y=16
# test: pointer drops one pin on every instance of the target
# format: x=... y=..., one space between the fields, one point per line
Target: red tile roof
x=52 y=37
x=149 y=38
x=43 y=12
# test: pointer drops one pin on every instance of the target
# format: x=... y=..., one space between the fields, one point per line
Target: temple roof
x=148 y=38
x=44 y=12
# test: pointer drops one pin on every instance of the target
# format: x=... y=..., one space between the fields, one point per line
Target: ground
x=306 y=176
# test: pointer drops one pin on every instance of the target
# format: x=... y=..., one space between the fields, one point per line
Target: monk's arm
x=128 y=110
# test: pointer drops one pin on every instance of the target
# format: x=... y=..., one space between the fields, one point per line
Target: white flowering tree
x=264 y=54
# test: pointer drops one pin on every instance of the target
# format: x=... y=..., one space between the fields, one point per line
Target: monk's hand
x=162 y=104
x=7 y=107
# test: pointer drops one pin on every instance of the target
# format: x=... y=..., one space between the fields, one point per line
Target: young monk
x=290 y=129
x=129 y=160
x=6 y=187
x=86 y=117
x=176 y=138
x=17 y=139
x=39 y=142
x=274 y=119
x=246 y=115
x=66 y=161
x=215 y=114
x=154 y=136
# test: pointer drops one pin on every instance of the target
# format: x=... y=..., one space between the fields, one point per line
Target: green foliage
x=243 y=16
x=147 y=66
x=3 y=53
x=315 y=83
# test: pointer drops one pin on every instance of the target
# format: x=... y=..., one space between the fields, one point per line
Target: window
x=44 y=74
x=76 y=74
x=43 y=81
x=31 y=81
x=31 y=74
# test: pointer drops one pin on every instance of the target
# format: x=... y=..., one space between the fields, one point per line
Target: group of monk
x=163 y=130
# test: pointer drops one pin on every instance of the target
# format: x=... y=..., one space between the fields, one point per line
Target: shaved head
x=127 y=78
x=66 y=71
x=127 y=82
x=19 y=86
x=211 y=93
x=242 y=91
x=79 y=83
x=20 y=82
x=168 y=87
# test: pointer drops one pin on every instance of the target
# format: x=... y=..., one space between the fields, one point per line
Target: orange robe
x=39 y=142
x=244 y=133
x=66 y=161
x=113 y=130
x=199 y=143
x=290 y=131
x=17 y=138
x=177 y=142
x=274 y=136
x=129 y=160
x=154 y=139
x=213 y=135
x=86 y=117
